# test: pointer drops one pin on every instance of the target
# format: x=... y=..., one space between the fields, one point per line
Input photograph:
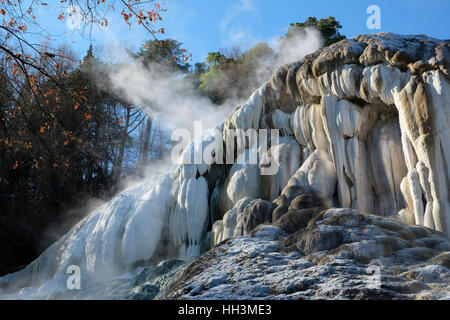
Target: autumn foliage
x=61 y=133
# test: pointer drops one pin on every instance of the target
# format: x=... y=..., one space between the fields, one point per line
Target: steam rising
x=296 y=47
x=165 y=96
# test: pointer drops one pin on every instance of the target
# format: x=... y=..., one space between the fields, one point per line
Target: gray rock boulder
x=322 y=254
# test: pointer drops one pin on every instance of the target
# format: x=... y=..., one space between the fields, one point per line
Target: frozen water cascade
x=127 y=230
x=170 y=206
x=364 y=125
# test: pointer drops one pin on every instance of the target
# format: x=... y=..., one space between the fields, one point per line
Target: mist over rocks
x=364 y=127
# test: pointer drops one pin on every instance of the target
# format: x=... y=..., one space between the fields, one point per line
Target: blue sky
x=208 y=25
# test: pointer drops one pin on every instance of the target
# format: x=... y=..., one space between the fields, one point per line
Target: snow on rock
x=108 y=241
x=316 y=175
x=246 y=214
x=387 y=166
x=255 y=213
x=371 y=124
x=331 y=254
x=230 y=219
x=277 y=120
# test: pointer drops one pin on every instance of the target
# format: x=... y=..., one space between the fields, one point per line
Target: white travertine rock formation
x=317 y=176
x=289 y=155
x=244 y=180
x=371 y=116
x=365 y=124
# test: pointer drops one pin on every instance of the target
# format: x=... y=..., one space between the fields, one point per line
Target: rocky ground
x=322 y=254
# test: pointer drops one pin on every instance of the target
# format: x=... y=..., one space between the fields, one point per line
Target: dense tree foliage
x=58 y=155
x=328 y=28
x=167 y=52
x=235 y=74
x=55 y=154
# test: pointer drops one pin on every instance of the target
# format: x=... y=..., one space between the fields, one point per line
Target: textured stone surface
x=257 y=212
x=374 y=110
x=322 y=254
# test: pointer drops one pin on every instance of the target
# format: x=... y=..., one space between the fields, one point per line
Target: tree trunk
x=145 y=147
x=123 y=140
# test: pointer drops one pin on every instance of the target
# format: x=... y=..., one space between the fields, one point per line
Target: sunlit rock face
x=363 y=125
x=384 y=104
x=371 y=118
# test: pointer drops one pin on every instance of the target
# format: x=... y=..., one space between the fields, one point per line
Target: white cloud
x=233 y=33
x=243 y=6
